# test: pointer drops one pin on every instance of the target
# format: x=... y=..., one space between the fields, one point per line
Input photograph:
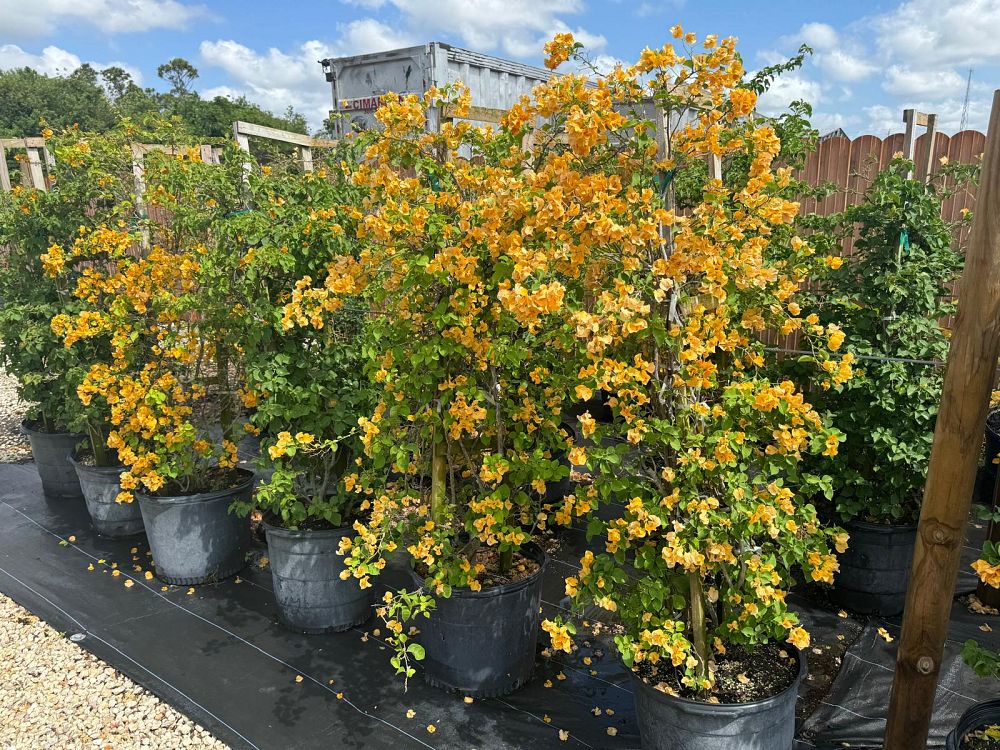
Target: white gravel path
x=53 y=694
x=13 y=445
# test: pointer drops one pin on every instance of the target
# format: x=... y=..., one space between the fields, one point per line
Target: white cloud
x=958 y=32
x=824 y=122
x=839 y=59
x=52 y=61
x=37 y=18
x=842 y=65
x=786 y=89
x=882 y=120
x=276 y=79
x=55 y=61
x=907 y=82
x=513 y=27
x=818 y=35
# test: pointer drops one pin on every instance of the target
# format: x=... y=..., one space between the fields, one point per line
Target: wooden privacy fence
x=851 y=165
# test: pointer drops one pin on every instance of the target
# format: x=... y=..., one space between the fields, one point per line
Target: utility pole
x=965 y=106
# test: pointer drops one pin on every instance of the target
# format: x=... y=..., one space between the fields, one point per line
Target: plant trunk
x=439 y=474
x=227 y=415
x=98 y=446
x=699 y=626
x=506 y=560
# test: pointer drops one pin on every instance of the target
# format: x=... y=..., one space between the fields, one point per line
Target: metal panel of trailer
x=359 y=82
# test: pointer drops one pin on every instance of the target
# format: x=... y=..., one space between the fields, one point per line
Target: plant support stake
x=972 y=361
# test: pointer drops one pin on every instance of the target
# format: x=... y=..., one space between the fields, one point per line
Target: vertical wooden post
x=35 y=169
x=307 y=159
x=139 y=177
x=975 y=345
x=909 y=134
x=4 y=172
x=242 y=140
x=925 y=159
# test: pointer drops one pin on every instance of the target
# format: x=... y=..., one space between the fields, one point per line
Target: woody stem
x=439 y=472
x=699 y=626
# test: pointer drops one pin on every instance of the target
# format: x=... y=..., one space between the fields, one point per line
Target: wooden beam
x=241 y=128
x=972 y=360
x=22 y=143
x=479 y=114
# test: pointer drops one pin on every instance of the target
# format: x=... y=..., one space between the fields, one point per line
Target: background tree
x=180 y=74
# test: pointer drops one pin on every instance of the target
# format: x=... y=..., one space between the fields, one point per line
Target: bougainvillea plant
x=174 y=324
x=47 y=273
x=892 y=296
x=704 y=449
x=307 y=382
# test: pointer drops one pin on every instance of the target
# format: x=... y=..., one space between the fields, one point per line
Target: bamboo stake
x=975 y=346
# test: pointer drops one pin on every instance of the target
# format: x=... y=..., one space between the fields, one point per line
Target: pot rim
x=994 y=432
x=281 y=531
x=117 y=469
x=201 y=497
x=977 y=712
x=883 y=528
x=540 y=556
x=718 y=708
x=25 y=430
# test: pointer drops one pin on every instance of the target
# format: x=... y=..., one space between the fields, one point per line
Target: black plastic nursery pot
x=482 y=643
x=979 y=716
x=51 y=451
x=194 y=538
x=668 y=722
x=991 y=452
x=305 y=567
x=875 y=569
x=101 y=485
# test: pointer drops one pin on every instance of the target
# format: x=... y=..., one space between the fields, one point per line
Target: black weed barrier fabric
x=219 y=655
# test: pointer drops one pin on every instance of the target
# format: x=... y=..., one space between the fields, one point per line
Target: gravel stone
x=13 y=445
x=53 y=694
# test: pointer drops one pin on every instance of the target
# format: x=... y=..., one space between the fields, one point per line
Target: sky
x=871 y=59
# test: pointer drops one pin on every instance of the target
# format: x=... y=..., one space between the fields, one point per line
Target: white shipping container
x=359 y=82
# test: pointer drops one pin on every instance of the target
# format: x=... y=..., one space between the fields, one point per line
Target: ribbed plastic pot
x=101 y=485
x=669 y=722
x=305 y=568
x=482 y=643
x=980 y=715
x=51 y=451
x=875 y=569
x=194 y=538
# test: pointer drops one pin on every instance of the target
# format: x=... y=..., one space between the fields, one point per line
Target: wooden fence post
x=972 y=360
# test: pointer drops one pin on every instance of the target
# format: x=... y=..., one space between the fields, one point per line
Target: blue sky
x=871 y=59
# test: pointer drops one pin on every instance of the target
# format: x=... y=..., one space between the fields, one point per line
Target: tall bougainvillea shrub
x=306 y=384
x=714 y=520
x=174 y=325
x=892 y=296
x=47 y=272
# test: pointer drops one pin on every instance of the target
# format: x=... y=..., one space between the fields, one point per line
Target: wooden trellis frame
x=243 y=131
x=38 y=160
